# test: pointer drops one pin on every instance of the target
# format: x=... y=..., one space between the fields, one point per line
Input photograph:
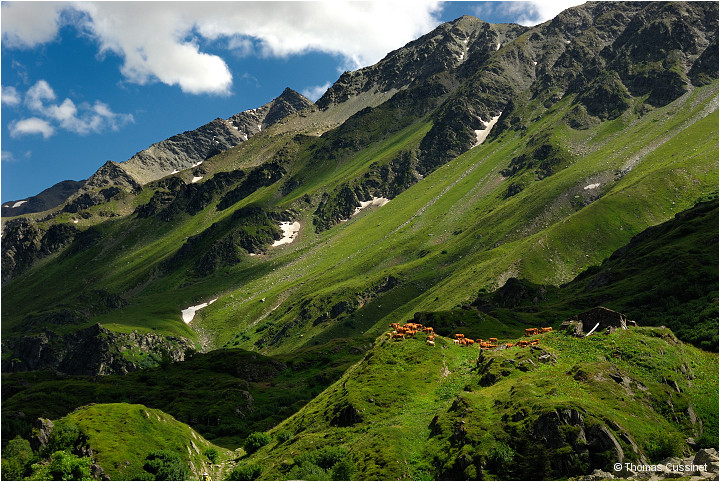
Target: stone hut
x=596 y=320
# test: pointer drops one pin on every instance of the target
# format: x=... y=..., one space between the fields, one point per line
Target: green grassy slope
x=446 y=237
x=120 y=432
x=409 y=411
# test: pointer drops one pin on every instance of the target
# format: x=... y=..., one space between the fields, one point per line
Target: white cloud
x=527 y=13
x=82 y=119
x=161 y=41
x=8 y=156
x=315 y=92
x=10 y=96
x=38 y=94
x=32 y=125
x=28 y=24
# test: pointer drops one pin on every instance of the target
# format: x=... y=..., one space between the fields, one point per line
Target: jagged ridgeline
x=483 y=179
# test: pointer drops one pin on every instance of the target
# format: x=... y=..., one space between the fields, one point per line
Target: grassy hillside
x=409 y=411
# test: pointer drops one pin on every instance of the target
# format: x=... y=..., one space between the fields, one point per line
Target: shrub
x=245 y=472
x=165 y=465
x=343 y=470
x=307 y=471
x=256 y=440
x=283 y=436
x=16 y=458
x=212 y=454
x=500 y=459
x=63 y=466
x=63 y=437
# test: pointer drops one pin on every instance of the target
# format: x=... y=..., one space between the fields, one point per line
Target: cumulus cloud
x=527 y=13
x=10 y=96
x=28 y=24
x=82 y=119
x=315 y=92
x=32 y=125
x=162 y=41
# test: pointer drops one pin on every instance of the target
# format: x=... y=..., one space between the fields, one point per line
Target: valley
x=241 y=297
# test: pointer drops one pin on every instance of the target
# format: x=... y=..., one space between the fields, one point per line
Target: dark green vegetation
x=256 y=392
x=666 y=275
x=585 y=192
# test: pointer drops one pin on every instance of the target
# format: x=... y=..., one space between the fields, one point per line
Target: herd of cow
x=409 y=330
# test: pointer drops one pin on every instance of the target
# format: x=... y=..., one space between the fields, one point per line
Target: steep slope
x=666 y=275
x=192 y=147
x=552 y=190
x=123 y=439
x=560 y=409
x=47 y=199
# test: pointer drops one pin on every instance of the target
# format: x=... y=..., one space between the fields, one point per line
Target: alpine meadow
x=492 y=255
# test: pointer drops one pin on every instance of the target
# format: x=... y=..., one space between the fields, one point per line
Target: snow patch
x=19 y=203
x=76 y=221
x=592 y=186
x=259 y=127
x=375 y=201
x=289 y=231
x=189 y=313
x=497 y=47
x=534 y=63
x=196 y=179
x=196 y=164
x=6 y=206
x=175 y=171
x=482 y=134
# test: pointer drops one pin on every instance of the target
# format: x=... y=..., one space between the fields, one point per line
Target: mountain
x=47 y=199
x=179 y=152
x=192 y=147
x=483 y=178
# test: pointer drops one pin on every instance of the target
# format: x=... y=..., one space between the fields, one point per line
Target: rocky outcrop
x=93 y=351
x=448 y=47
x=47 y=199
x=701 y=466
x=184 y=150
x=24 y=242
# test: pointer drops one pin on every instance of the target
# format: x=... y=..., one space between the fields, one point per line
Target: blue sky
x=87 y=82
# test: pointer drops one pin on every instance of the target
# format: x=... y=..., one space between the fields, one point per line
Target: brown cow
x=508 y=345
x=546 y=329
x=431 y=337
x=531 y=331
x=493 y=340
x=398 y=336
x=459 y=335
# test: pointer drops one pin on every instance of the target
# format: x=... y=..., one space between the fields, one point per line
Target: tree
x=15 y=459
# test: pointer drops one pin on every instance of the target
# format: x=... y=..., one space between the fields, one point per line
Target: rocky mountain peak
x=449 y=46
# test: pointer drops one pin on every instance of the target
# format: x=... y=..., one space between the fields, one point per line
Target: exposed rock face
x=93 y=351
x=24 y=242
x=47 y=199
x=187 y=149
x=448 y=47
